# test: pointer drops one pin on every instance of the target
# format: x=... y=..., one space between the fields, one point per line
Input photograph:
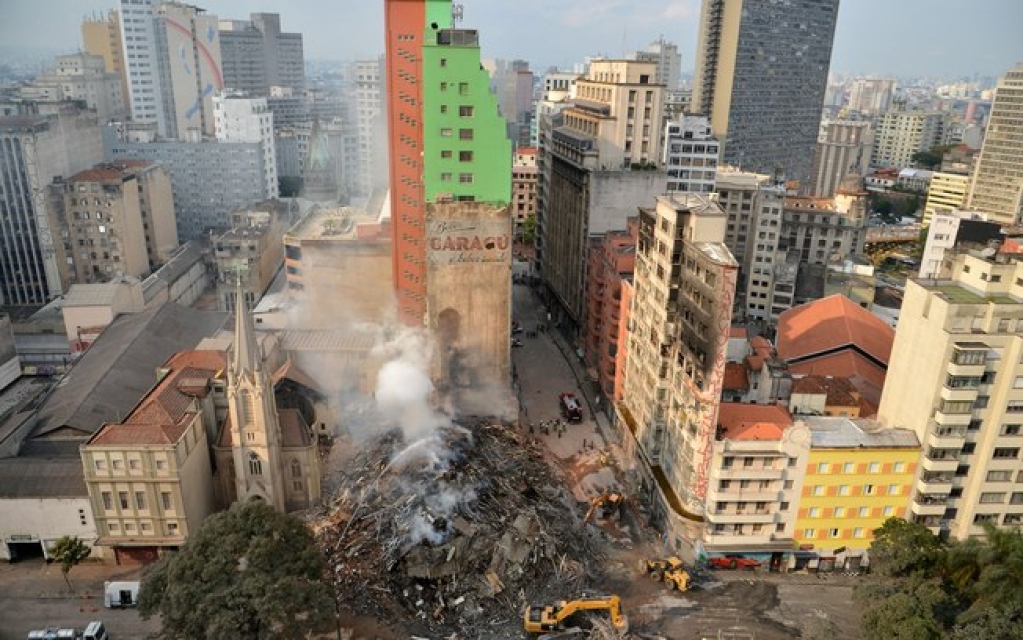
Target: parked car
x=733 y=561
x=571 y=409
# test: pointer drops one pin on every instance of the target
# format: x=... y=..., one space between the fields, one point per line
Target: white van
x=95 y=631
x=117 y=595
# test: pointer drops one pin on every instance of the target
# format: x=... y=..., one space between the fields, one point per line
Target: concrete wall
x=46 y=520
x=615 y=195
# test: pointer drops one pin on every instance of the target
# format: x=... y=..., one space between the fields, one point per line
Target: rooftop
x=831 y=324
x=741 y=421
x=95 y=295
x=856 y=433
x=338 y=224
x=839 y=391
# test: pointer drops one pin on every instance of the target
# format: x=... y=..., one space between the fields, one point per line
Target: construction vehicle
x=549 y=617
x=671 y=571
x=612 y=501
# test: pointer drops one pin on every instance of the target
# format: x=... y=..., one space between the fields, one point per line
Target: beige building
x=111 y=221
x=684 y=282
x=89 y=308
x=755 y=480
x=81 y=77
x=901 y=133
x=149 y=478
x=338 y=264
x=946 y=193
x=524 y=181
x=955 y=378
x=997 y=186
x=101 y=36
x=619 y=105
x=251 y=252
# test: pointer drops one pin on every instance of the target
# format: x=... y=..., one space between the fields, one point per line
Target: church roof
x=247 y=357
x=294 y=430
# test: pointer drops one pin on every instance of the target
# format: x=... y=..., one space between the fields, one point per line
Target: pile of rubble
x=457 y=531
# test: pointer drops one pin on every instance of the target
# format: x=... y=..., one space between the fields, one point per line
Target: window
x=145 y=526
x=839 y=512
x=465 y=134
x=834 y=533
x=848 y=467
x=463 y=88
x=134 y=464
x=296 y=469
x=446 y=153
x=255 y=465
x=296 y=485
x=465 y=111
x=465 y=178
x=1016 y=498
x=999 y=476
x=122 y=499
x=140 y=500
x=108 y=501
x=899 y=467
x=113 y=526
x=250 y=436
x=446 y=133
x=445 y=177
x=874 y=467
x=814 y=512
x=161 y=464
x=864 y=512
x=747 y=463
x=809 y=533
x=1002 y=453
x=465 y=156
x=165 y=500
x=172 y=528
x=443 y=62
x=858 y=532
x=889 y=511
x=992 y=498
x=1011 y=430
x=818 y=490
x=894 y=489
x=843 y=490
x=823 y=467
x=117 y=464
x=868 y=489
x=101 y=465
x=444 y=108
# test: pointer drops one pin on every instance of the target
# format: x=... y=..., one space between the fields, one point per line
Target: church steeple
x=247 y=358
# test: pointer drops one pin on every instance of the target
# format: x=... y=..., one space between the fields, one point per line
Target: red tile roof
x=292 y=372
x=840 y=392
x=127 y=435
x=738 y=332
x=867 y=377
x=830 y=324
x=735 y=377
x=742 y=421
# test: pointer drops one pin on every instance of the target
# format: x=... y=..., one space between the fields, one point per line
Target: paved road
x=33 y=596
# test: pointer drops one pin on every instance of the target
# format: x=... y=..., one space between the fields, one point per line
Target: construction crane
x=540 y=618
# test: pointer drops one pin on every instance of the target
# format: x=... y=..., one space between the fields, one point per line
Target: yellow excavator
x=611 y=501
x=671 y=571
x=549 y=617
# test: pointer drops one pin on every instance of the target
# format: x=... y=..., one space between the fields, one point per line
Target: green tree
x=998 y=582
x=902 y=548
x=529 y=230
x=69 y=551
x=992 y=624
x=916 y=610
x=249 y=572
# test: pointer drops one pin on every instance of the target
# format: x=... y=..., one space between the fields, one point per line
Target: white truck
x=118 y=595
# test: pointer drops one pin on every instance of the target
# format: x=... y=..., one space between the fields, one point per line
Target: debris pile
x=458 y=529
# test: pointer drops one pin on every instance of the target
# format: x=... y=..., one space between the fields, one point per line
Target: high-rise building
x=871 y=95
x=997 y=186
x=524 y=182
x=187 y=52
x=249 y=254
x=101 y=36
x=761 y=73
x=844 y=148
x=600 y=160
x=737 y=195
x=684 y=283
x=669 y=63
x=257 y=55
x=450 y=181
x=80 y=77
x=946 y=193
x=903 y=132
x=113 y=221
x=238 y=118
x=954 y=378
x=611 y=263
x=139 y=57
x=33 y=151
x=370 y=172
x=690 y=154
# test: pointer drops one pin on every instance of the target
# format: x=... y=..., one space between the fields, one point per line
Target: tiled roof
x=840 y=392
x=294 y=430
x=866 y=376
x=738 y=332
x=742 y=421
x=832 y=323
x=735 y=377
x=134 y=434
x=293 y=372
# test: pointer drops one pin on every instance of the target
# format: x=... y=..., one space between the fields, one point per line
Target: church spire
x=246 y=351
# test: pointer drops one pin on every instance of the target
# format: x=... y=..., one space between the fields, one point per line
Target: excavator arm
x=540 y=618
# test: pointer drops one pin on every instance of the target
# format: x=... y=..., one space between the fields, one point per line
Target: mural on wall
x=468 y=241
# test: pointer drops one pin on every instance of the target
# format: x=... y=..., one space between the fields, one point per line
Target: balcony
x=941 y=437
x=750 y=516
x=965 y=369
x=929 y=504
x=940 y=461
x=750 y=473
x=966 y=394
x=735 y=494
x=934 y=483
x=952 y=419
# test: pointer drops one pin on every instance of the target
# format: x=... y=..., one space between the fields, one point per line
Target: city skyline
x=903 y=44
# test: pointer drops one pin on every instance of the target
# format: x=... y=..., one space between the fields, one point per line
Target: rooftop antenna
x=457 y=11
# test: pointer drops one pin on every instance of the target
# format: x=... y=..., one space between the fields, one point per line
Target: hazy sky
x=884 y=37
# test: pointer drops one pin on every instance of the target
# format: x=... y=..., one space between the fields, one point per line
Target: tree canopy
x=69 y=551
x=937 y=590
x=249 y=572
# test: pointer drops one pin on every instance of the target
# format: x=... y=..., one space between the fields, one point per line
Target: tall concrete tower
x=450 y=179
x=761 y=73
x=997 y=187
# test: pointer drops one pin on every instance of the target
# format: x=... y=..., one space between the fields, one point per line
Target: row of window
x=843 y=512
x=114 y=528
x=134 y=464
x=849 y=490
x=858 y=532
x=124 y=500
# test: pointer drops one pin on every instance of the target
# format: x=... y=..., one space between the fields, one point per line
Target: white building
x=690 y=155
x=240 y=119
x=668 y=59
x=83 y=77
x=137 y=29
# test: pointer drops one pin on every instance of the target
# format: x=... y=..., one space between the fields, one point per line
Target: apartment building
x=238 y=118
x=101 y=36
x=611 y=261
x=955 y=231
x=997 y=185
x=844 y=147
x=256 y=55
x=112 y=220
x=902 y=132
x=770 y=266
x=370 y=170
x=250 y=253
x=946 y=193
x=956 y=380
x=857 y=476
x=826 y=229
x=690 y=154
x=737 y=194
x=684 y=286
x=80 y=77
x=871 y=95
x=524 y=184
x=755 y=480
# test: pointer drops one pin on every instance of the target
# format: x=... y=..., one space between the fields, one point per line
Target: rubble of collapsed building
x=455 y=531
